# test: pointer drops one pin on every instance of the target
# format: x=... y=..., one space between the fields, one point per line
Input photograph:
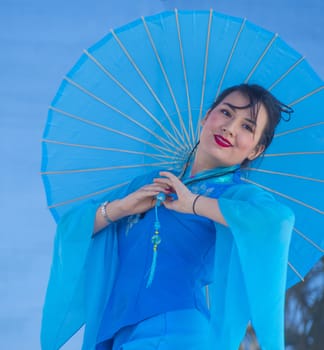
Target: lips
x=221 y=141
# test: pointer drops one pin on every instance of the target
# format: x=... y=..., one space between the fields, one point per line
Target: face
x=230 y=135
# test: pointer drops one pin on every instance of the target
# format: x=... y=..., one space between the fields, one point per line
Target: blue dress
x=249 y=270
x=185 y=264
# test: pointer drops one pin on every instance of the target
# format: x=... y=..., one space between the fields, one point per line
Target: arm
x=251 y=256
x=208 y=207
x=135 y=203
x=189 y=202
x=240 y=210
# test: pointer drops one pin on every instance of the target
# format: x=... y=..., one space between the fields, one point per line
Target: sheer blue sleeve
x=250 y=267
x=64 y=312
x=82 y=274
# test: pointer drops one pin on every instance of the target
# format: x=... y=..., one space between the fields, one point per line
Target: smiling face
x=230 y=135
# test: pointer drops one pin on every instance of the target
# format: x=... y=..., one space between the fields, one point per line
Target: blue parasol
x=134 y=101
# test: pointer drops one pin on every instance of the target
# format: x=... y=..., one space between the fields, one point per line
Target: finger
x=154 y=187
x=169 y=175
x=170 y=203
x=172 y=181
x=167 y=185
x=167 y=178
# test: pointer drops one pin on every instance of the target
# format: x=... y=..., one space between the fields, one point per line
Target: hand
x=135 y=203
x=185 y=198
x=142 y=200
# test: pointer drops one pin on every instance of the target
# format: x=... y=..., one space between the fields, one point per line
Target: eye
x=248 y=127
x=226 y=112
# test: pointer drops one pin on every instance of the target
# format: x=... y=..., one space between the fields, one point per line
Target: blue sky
x=40 y=41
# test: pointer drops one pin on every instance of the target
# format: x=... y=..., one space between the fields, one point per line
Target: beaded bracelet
x=194 y=204
x=103 y=212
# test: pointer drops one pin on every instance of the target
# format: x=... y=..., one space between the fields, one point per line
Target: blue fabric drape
x=251 y=264
x=250 y=271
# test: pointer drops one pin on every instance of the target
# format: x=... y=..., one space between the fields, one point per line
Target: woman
x=209 y=229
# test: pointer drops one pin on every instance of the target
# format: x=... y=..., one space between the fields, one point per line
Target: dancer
x=180 y=260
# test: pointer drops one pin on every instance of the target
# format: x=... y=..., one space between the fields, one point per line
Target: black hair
x=258 y=96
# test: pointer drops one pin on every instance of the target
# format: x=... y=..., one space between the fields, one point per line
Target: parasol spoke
x=274 y=38
x=292 y=199
x=302 y=98
x=286 y=174
x=207 y=296
x=116 y=167
x=204 y=74
x=129 y=57
x=87 y=196
x=122 y=87
x=299 y=275
x=167 y=81
x=104 y=127
x=89 y=93
x=185 y=77
x=298 y=129
x=307 y=239
x=284 y=75
x=287 y=154
x=220 y=86
x=109 y=149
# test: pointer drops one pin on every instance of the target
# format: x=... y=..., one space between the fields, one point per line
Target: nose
x=229 y=128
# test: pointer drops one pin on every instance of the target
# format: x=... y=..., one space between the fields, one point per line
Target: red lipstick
x=221 y=141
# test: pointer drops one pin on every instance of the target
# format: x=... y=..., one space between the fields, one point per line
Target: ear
x=256 y=152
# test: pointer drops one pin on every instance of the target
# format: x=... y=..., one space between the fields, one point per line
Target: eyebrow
x=233 y=108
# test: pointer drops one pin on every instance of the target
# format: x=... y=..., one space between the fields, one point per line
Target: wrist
x=194 y=204
x=104 y=214
x=114 y=211
x=122 y=208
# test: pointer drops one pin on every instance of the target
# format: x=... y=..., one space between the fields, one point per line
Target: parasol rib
x=104 y=127
x=89 y=195
x=299 y=129
x=287 y=154
x=230 y=57
x=207 y=297
x=292 y=199
x=309 y=240
x=122 y=87
x=109 y=149
x=286 y=174
x=205 y=73
x=118 y=111
x=183 y=129
x=147 y=85
x=296 y=272
x=311 y=93
x=274 y=38
x=117 y=167
x=286 y=73
x=191 y=138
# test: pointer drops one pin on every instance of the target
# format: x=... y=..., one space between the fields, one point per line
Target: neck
x=202 y=163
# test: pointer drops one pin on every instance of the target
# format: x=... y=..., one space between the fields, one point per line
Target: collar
x=217 y=175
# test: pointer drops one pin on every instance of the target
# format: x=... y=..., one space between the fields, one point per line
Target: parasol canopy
x=134 y=101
